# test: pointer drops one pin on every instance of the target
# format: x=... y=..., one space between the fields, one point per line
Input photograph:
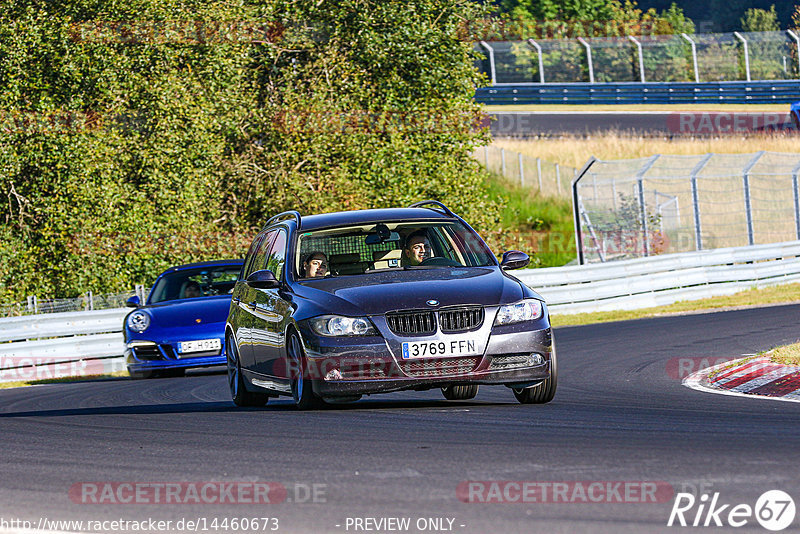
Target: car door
x=244 y=298
x=270 y=311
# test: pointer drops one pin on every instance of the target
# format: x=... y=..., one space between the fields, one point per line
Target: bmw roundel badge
x=432 y=302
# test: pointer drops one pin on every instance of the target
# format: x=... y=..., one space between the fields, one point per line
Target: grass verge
x=23 y=383
x=784 y=294
x=787 y=354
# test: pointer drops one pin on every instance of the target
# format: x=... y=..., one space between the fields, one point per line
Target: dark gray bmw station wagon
x=335 y=306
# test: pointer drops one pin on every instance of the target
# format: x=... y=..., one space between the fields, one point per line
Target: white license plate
x=200 y=345
x=440 y=349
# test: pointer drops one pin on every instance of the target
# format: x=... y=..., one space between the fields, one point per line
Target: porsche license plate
x=199 y=345
x=439 y=349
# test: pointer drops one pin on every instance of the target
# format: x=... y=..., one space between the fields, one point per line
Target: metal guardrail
x=756 y=92
x=659 y=280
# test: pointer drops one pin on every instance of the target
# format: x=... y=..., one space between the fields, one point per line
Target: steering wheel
x=440 y=261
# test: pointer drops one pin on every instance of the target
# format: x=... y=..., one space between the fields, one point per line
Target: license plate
x=439 y=349
x=200 y=345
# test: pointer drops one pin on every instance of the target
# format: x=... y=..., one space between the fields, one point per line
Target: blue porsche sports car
x=182 y=324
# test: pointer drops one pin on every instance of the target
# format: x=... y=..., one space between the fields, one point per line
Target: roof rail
x=436 y=203
x=292 y=214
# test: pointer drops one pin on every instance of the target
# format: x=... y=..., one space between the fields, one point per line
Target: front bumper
x=141 y=355
x=514 y=355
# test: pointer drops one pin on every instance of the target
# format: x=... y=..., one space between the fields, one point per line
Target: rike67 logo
x=774 y=510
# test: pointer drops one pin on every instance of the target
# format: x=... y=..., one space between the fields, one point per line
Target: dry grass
x=574 y=151
x=788 y=354
x=88 y=378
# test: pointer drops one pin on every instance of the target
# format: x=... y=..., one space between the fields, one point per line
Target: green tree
x=760 y=20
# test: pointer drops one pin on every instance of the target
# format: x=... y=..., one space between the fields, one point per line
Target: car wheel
x=545 y=391
x=239 y=394
x=460 y=392
x=139 y=375
x=304 y=397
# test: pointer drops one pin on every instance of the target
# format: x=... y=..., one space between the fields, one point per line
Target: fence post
x=694 y=57
x=576 y=212
x=91 y=300
x=797 y=42
x=486 y=155
x=588 y=58
x=541 y=62
x=539 y=172
x=521 y=171
x=698 y=235
x=558 y=178
x=796 y=200
x=492 y=71
x=642 y=204
x=746 y=54
x=503 y=161
x=641 y=56
x=748 y=208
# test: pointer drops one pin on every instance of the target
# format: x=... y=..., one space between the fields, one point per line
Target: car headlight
x=527 y=310
x=336 y=325
x=139 y=321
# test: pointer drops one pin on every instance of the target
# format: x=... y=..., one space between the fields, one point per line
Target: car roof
x=213 y=263
x=346 y=218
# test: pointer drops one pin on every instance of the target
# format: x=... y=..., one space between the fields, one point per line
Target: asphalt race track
x=618 y=415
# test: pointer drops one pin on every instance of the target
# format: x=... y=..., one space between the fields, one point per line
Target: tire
x=302 y=392
x=239 y=394
x=460 y=392
x=545 y=391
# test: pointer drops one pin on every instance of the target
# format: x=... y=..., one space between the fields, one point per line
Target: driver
x=315 y=266
x=417 y=248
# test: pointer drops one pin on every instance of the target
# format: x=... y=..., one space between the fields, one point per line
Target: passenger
x=417 y=248
x=192 y=290
x=315 y=266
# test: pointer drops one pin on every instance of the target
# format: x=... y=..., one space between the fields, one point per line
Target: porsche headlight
x=527 y=310
x=336 y=325
x=139 y=321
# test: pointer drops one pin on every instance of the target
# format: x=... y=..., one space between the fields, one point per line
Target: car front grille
x=148 y=352
x=436 y=367
x=461 y=319
x=411 y=322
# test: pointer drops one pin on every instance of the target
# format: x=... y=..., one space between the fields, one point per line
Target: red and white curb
x=754 y=377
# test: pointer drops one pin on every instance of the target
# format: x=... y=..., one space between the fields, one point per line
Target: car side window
x=277 y=255
x=258 y=254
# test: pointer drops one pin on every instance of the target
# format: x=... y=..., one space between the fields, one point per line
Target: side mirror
x=263 y=279
x=514 y=259
x=132 y=302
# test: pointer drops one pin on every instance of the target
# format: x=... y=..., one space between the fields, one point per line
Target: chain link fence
x=548 y=178
x=88 y=302
x=703 y=57
x=664 y=204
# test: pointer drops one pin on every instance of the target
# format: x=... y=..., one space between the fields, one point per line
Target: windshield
x=194 y=283
x=384 y=246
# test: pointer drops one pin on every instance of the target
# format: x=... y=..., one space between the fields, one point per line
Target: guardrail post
x=641 y=56
x=486 y=155
x=797 y=43
x=698 y=235
x=748 y=208
x=539 y=172
x=558 y=178
x=492 y=71
x=541 y=61
x=503 y=161
x=796 y=200
x=576 y=214
x=746 y=54
x=521 y=171
x=588 y=58
x=694 y=57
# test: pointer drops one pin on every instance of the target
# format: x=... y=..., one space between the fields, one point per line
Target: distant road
x=670 y=123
